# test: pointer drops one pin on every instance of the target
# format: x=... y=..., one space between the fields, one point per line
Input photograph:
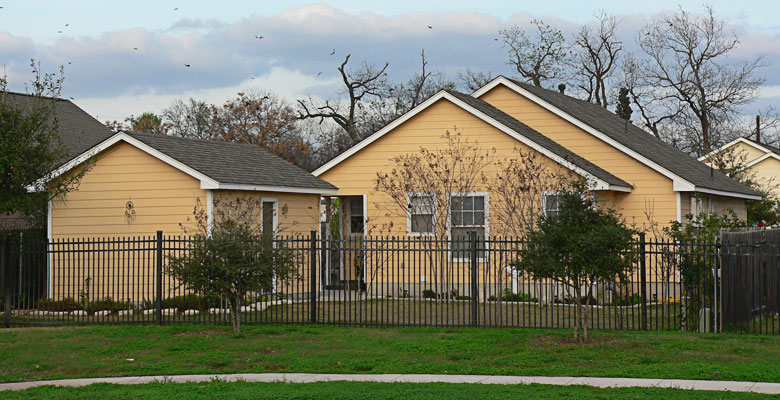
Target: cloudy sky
x=127 y=57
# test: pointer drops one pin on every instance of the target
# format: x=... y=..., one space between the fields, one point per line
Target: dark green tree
x=623 y=108
x=582 y=244
x=231 y=257
x=30 y=148
x=148 y=122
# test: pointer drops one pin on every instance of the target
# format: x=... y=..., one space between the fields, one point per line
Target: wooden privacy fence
x=384 y=281
x=750 y=274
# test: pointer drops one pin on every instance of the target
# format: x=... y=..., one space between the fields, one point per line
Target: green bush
x=428 y=294
x=107 y=304
x=462 y=297
x=628 y=300
x=189 y=302
x=509 y=296
x=67 y=304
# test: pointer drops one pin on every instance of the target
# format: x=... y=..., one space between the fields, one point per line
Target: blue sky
x=111 y=79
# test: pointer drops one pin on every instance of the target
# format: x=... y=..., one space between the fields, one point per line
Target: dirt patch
x=202 y=332
x=557 y=340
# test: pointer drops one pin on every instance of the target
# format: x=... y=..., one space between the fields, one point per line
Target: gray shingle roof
x=233 y=163
x=638 y=140
x=78 y=130
x=539 y=139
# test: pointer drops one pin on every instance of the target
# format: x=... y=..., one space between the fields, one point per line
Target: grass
x=91 y=351
x=360 y=390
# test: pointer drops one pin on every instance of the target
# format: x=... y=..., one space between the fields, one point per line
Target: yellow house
x=629 y=169
x=761 y=161
x=139 y=183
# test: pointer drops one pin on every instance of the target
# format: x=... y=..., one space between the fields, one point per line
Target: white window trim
x=544 y=200
x=486 y=196
x=409 y=214
x=275 y=202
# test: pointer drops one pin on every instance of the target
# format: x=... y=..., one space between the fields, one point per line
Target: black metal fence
x=380 y=281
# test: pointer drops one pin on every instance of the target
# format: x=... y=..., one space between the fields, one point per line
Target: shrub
x=190 y=302
x=107 y=304
x=67 y=304
x=509 y=296
x=462 y=297
x=428 y=294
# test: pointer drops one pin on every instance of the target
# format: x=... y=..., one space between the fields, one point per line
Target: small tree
x=578 y=246
x=231 y=257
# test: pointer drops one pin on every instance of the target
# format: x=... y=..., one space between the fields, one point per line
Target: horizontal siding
x=163 y=197
x=298 y=213
x=652 y=192
x=767 y=174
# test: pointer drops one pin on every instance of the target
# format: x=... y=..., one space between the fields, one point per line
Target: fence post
x=643 y=278
x=5 y=266
x=474 y=286
x=313 y=276
x=159 y=276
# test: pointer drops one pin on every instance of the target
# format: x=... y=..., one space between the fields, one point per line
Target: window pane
x=479 y=218
x=468 y=218
x=268 y=217
x=456 y=218
x=422 y=223
x=457 y=203
x=479 y=203
x=468 y=203
x=356 y=206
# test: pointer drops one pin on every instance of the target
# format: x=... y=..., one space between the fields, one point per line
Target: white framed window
x=469 y=212
x=702 y=204
x=421 y=214
x=551 y=204
x=269 y=215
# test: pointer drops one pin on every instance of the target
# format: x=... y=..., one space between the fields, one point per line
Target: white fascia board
x=205 y=181
x=598 y=183
x=281 y=189
x=587 y=128
x=378 y=134
x=762 y=158
x=732 y=143
x=727 y=194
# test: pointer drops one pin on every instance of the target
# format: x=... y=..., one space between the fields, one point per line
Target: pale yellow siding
x=652 y=192
x=356 y=175
x=298 y=213
x=767 y=174
x=162 y=197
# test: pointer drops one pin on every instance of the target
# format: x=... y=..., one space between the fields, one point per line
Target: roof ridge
x=11 y=92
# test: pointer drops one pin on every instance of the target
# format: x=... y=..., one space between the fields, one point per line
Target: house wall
x=652 y=192
x=767 y=173
x=298 y=213
x=162 y=197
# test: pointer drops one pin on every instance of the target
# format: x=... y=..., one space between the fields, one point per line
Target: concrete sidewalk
x=733 y=386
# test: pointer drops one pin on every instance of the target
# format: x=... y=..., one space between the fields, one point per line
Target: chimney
x=561 y=88
x=758 y=129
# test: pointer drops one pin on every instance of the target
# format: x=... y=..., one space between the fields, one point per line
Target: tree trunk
x=577 y=311
x=237 y=314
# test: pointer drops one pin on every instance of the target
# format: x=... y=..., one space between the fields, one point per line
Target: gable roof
x=78 y=130
x=218 y=165
x=687 y=173
x=767 y=149
x=502 y=121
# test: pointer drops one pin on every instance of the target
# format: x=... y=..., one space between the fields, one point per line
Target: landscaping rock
x=191 y=312
x=219 y=311
x=102 y=313
x=123 y=313
x=79 y=313
x=169 y=311
x=39 y=313
x=150 y=312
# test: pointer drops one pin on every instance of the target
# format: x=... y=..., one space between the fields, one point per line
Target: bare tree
x=473 y=80
x=596 y=56
x=361 y=84
x=420 y=187
x=686 y=64
x=191 y=118
x=539 y=58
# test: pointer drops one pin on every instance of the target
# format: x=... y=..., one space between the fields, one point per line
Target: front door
x=354 y=229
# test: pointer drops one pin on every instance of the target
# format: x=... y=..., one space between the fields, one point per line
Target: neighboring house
x=760 y=160
x=78 y=131
x=139 y=183
x=629 y=169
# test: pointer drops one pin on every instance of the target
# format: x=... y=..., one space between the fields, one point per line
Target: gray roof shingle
x=233 y=163
x=78 y=130
x=638 y=140
x=539 y=139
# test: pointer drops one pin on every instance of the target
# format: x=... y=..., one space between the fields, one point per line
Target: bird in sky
x=319 y=73
x=68 y=62
x=187 y=65
x=430 y=27
x=265 y=98
x=59 y=31
x=71 y=98
x=333 y=52
x=135 y=48
x=176 y=9
x=259 y=37
x=67 y=24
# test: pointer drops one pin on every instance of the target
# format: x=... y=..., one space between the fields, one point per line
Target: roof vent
x=561 y=88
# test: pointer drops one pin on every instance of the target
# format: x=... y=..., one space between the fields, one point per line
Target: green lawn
x=90 y=351
x=361 y=390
